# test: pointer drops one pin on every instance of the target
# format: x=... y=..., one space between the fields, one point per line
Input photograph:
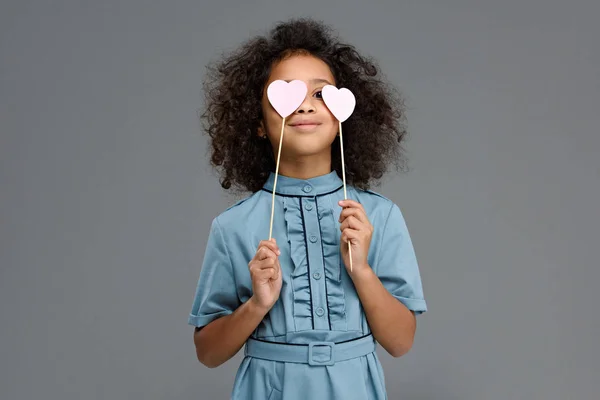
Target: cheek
x=271 y=119
x=333 y=124
x=330 y=117
x=273 y=122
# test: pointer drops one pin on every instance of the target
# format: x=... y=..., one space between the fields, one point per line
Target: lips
x=305 y=123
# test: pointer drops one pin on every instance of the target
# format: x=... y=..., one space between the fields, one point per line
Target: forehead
x=304 y=67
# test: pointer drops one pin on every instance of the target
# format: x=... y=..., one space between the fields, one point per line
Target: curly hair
x=373 y=135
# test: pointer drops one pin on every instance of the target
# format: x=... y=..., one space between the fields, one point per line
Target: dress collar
x=314 y=186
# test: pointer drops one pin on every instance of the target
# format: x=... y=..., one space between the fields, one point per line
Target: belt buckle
x=312 y=361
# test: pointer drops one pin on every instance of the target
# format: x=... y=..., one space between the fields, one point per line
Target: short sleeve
x=397 y=266
x=216 y=294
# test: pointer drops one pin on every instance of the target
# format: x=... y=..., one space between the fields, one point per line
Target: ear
x=261 y=129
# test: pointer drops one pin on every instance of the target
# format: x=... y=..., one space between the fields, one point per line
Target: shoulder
x=241 y=210
x=374 y=202
x=376 y=196
x=381 y=210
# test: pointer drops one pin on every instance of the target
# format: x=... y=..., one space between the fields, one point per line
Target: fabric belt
x=313 y=353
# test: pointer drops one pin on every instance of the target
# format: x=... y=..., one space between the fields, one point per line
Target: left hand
x=357 y=229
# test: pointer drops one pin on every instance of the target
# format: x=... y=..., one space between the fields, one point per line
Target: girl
x=309 y=323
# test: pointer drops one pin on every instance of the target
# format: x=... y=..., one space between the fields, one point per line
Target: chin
x=304 y=151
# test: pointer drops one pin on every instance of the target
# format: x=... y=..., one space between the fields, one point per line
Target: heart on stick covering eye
x=286 y=97
x=340 y=102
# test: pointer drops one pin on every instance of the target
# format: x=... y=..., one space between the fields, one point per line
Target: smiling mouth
x=305 y=126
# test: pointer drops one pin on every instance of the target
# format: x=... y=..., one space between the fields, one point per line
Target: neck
x=305 y=167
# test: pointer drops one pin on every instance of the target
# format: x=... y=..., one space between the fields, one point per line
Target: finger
x=269 y=250
x=350 y=203
x=265 y=274
x=269 y=244
x=256 y=265
x=350 y=235
x=358 y=213
x=353 y=223
x=262 y=265
x=353 y=208
x=361 y=217
x=265 y=253
x=266 y=263
x=275 y=267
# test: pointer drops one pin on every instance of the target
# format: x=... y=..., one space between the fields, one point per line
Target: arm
x=386 y=292
x=392 y=324
x=221 y=339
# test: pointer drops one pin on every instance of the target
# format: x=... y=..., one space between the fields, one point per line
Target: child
x=309 y=323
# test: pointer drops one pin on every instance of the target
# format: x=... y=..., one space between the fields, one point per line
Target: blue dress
x=318 y=301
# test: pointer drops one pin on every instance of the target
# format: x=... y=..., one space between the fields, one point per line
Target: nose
x=307 y=106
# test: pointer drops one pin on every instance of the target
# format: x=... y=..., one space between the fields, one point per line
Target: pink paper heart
x=340 y=102
x=286 y=97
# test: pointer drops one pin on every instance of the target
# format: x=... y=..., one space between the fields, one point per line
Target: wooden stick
x=275 y=183
x=345 y=197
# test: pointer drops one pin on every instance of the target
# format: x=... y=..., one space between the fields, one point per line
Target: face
x=311 y=129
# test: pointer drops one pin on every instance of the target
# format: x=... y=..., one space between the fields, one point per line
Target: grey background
x=106 y=195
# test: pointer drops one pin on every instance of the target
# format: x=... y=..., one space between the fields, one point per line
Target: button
x=313 y=238
x=320 y=312
x=307 y=188
x=317 y=275
x=308 y=207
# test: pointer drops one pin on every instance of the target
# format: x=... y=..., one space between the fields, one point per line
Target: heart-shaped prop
x=286 y=97
x=340 y=102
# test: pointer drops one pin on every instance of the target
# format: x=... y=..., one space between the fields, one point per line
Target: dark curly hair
x=234 y=87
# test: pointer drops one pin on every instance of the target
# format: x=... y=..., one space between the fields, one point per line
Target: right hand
x=265 y=272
